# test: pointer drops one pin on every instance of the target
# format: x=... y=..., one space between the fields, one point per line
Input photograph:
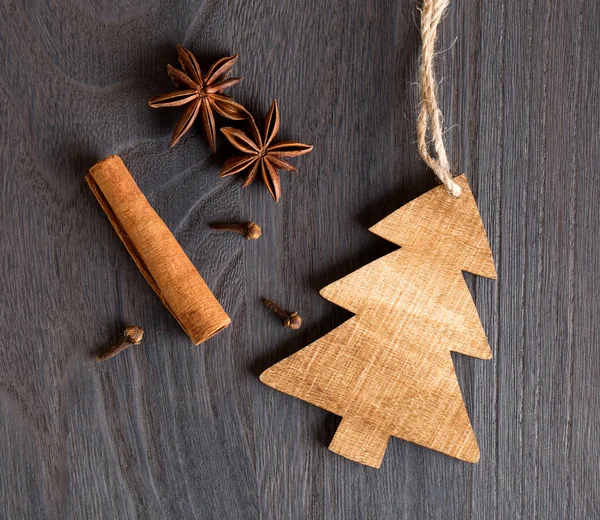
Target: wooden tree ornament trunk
x=388 y=371
x=155 y=251
x=360 y=441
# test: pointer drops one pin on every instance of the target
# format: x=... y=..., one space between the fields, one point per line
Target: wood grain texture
x=167 y=430
x=388 y=370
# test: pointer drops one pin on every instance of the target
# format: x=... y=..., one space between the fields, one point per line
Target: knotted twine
x=430 y=116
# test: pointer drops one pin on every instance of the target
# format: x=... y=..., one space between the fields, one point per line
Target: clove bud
x=249 y=230
x=291 y=320
x=132 y=336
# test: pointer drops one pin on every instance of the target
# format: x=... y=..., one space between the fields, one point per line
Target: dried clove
x=132 y=336
x=249 y=230
x=291 y=320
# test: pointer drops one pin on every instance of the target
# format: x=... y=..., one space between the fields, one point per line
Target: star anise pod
x=202 y=94
x=261 y=154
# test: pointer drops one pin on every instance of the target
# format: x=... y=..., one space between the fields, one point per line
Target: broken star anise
x=202 y=94
x=261 y=153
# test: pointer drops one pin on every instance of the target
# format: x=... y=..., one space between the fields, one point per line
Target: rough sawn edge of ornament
x=388 y=371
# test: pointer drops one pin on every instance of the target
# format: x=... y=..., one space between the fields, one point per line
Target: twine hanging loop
x=430 y=116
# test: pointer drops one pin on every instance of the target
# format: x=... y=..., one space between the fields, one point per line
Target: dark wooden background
x=168 y=430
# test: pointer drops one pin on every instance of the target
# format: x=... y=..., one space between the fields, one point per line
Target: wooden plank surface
x=169 y=430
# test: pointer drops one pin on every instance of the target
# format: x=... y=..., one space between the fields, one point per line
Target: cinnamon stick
x=155 y=251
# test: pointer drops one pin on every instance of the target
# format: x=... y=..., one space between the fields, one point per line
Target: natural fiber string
x=430 y=116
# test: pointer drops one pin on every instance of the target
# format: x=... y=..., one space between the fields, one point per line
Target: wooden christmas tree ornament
x=155 y=251
x=388 y=370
